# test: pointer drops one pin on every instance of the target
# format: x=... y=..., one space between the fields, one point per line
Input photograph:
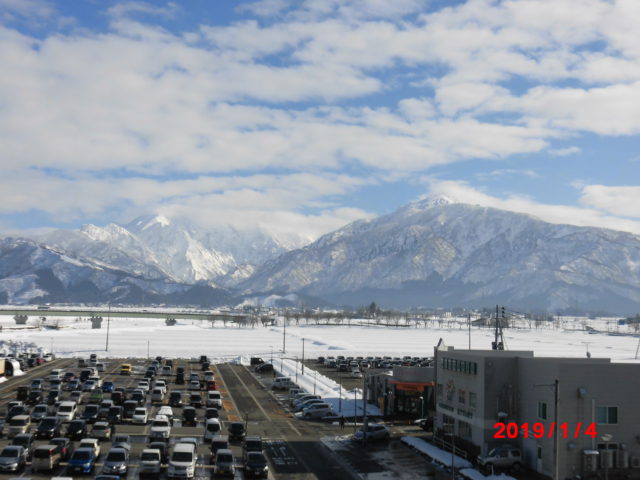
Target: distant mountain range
x=430 y=253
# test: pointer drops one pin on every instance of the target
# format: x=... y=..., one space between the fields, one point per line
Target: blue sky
x=302 y=116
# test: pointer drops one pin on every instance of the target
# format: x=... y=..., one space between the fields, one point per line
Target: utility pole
x=106 y=348
x=469 y=324
x=303 y=356
x=284 y=335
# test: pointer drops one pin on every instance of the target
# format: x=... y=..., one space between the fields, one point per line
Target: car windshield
x=181 y=457
x=149 y=456
x=160 y=423
x=256 y=459
x=65 y=408
x=9 y=452
x=42 y=453
x=213 y=427
x=116 y=456
x=48 y=423
x=224 y=458
x=81 y=455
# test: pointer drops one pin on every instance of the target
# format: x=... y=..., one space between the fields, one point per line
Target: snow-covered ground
x=139 y=337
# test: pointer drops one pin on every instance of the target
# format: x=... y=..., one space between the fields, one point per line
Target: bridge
x=120 y=313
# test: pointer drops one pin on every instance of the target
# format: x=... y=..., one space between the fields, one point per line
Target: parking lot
x=291 y=446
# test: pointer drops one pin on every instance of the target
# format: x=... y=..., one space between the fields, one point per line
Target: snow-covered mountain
x=157 y=247
x=436 y=252
x=35 y=273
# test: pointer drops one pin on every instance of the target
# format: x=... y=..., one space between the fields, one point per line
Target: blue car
x=107 y=387
x=83 y=460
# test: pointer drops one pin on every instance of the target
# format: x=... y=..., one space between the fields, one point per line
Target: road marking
x=294 y=428
x=235 y=405
x=251 y=394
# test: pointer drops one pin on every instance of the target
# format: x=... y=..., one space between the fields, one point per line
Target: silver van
x=46 y=458
x=157 y=395
x=19 y=424
x=182 y=463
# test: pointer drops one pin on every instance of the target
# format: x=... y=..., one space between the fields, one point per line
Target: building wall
x=584 y=385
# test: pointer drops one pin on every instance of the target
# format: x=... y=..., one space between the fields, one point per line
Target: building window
x=542 y=410
x=462 y=396
x=472 y=400
x=607 y=415
x=439 y=390
x=464 y=430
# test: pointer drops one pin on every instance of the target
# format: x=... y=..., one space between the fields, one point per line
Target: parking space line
x=294 y=428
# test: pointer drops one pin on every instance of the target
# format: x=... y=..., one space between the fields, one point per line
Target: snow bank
x=329 y=390
x=440 y=456
x=476 y=475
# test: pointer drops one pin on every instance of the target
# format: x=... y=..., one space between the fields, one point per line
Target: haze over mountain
x=431 y=253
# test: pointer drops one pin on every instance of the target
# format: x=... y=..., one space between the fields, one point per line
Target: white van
x=66 y=411
x=157 y=395
x=211 y=429
x=18 y=424
x=214 y=399
x=182 y=462
x=57 y=373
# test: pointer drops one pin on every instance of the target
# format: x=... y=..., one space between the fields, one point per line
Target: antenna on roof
x=498 y=339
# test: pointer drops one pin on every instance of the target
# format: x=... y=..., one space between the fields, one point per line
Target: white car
x=160 y=428
x=166 y=411
x=356 y=373
x=375 y=431
x=140 y=416
x=150 y=462
x=161 y=383
x=92 y=443
x=317 y=410
x=194 y=385
x=214 y=399
x=144 y=386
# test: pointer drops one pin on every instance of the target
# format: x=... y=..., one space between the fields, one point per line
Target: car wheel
x=516 y=467
x=488 y=467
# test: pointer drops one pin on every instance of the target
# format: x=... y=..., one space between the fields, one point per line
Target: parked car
x=46 y=458
x=90 y=413
x=251 y=444
x=48 y=427
x=317 y=410
x=25 y=440
x=122 y=441
x=39 y=411
x=503 y=458
x=66 y=447
x=182 y=462
x=375 y=431
x=217 y=443
x=83 y=460
x=189 y=416
x=236 y=431
x=255 y=465
x=175 y=399
x=211 y=428
x=140 y=416
x=77 y=429
x=160 y=428
x=211 y=413
x=163 y=448
x=150 y=462
x=225 y=463
x=13 y=458
x=18 y=424
x=101 y=430
x=93 y=444
x=195 y=400
x=116 y=462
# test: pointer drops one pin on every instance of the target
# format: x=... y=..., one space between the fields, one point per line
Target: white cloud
x=559 y=214
x=125 y=9
x=563 y=152
x=621 y=200
x=502 y=172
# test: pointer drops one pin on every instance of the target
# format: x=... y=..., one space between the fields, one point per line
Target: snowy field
x=188 y=339
x=142 y=337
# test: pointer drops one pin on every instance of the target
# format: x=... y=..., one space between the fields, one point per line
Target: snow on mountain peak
x=432 y=201
x=157 y=220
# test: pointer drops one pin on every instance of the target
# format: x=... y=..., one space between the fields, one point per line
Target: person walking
x=342 y=422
